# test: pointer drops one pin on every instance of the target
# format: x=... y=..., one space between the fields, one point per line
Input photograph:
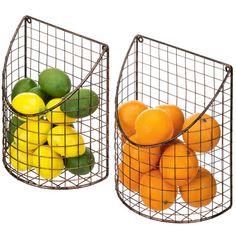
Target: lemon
x=31 y=134
x=56 y=116
x=48 y=164
x=28 y=103
x=20 y=160
x=66 y=141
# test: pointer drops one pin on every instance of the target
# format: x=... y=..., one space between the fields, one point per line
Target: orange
x=201 y=191
x=153 y=126
x=156 y=194
x=203 y=135
x=164 y=147
x=128 y=177
x=176 y=116
x=178 y=164
x=140 y=158
x=128 y=112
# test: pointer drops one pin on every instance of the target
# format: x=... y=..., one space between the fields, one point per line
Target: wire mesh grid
x=33 y=155
x=157 y=73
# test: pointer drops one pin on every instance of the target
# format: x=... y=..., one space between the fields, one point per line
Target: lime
x=19 y=159
x=31 y=134
x=66 y=141
x=28 y=103
x=56 y=116
x=48 y=164
x=41 y=93
x=81 y=104
x=13 y=125
x=54 y=82
x=23 y=85
x=80 y=165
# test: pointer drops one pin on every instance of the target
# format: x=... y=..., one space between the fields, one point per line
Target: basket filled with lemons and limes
x=45 y=134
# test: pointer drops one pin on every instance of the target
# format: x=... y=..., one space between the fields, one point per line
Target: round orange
x=176 y=116
x=128 y=112
x=204 y=135
x=164 y=147
x=156 y=194
x=178 y=164
x=128 y=177
x=140 y=158
x=153 y=126
x=201 y=191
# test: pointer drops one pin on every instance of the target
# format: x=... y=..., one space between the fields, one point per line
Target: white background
x=206 y=27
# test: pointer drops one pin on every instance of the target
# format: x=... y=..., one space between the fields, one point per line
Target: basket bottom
x=31 y=178
x=175 y=216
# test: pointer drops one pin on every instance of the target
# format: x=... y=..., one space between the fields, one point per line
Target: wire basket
x=30 y=151
x=156 y=73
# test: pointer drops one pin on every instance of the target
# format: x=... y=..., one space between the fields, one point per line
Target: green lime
x=37 y=90
x=81 y=104
x=80 y=165
x=54 y=82
x=23 y=85
x=13 y=125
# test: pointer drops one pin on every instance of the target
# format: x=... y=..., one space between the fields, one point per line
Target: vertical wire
x=222 y=143
x=213 y=160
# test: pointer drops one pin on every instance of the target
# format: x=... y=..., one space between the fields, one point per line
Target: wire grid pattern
x=38 y=45
x=157 y=73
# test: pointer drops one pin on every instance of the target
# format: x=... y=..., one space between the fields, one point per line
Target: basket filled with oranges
x=173 y=133
x=55 y=107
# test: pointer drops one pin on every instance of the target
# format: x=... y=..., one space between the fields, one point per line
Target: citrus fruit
x=28 y=104
x=128 y=177
x=153 y=126
x=66 y=141
x=56 y=116
x=178 y=164
x=140 y=158
x=80 y=165
x=54 y=82
x=176 y=116
x=204 y=135
x=128 y=112
x=14 y=123
x=48 y=164
x=201 y=191
x=156 y=193
x=20 y=160
x=23 y=85
x=31 y=134
x=165 y=146
x=81 y=104
x=37 y=90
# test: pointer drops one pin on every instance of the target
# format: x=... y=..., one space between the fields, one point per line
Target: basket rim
x=139 y=38
x=27 y=18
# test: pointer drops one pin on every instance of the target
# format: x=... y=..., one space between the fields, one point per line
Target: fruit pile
x=49 y=143
x=159 y=172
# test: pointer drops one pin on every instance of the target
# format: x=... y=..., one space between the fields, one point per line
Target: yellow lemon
x=20 y=160
x=56 y=116
x=28 y=103
x=31 y=134
x=48 y=164
x=66 y=141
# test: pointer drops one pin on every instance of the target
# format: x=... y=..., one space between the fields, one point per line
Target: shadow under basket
x=156 y=73
x=30 y=151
